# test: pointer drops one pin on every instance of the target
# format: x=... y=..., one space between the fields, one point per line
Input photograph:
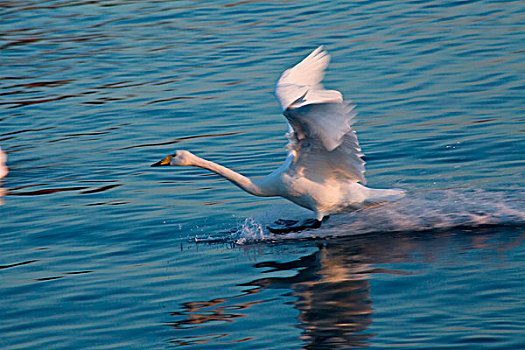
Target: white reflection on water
x=331 y=288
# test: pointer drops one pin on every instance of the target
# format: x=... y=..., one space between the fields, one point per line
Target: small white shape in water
x=3 y=167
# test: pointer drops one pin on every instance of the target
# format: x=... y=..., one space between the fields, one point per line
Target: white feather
x=301 y=84
x=322 y=137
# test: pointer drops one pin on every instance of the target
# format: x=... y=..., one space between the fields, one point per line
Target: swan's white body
x=324 y=164
x=3 y=167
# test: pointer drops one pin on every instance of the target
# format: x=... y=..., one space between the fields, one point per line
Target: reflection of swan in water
x=333 y=297
x=331 y=289
x=324 y=164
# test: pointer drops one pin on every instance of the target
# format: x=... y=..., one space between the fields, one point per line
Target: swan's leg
x=282 y=222
x=287 y=226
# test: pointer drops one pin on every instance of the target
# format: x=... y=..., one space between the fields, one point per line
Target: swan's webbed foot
x=283 y=222
x=281 y=227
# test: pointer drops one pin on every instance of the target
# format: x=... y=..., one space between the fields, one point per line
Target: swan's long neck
x=232 y=176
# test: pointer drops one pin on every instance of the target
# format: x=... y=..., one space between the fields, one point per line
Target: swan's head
x=180 y=158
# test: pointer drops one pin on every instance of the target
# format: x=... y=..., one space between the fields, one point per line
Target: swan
x=323 y=171
x=3 y=167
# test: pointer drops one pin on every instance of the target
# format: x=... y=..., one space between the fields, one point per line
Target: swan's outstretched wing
x=301 y=84
x=321 y=136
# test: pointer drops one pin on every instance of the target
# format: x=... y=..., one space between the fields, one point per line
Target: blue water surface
x=100 y=251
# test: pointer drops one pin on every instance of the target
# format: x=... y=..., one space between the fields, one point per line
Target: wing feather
x=322 y=139
x=301 y=84
x=312 y=156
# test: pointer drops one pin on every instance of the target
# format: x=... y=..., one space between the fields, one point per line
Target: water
x=98 y=250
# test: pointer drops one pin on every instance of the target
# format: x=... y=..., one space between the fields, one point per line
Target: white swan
x=3 y=167
x=324 y=164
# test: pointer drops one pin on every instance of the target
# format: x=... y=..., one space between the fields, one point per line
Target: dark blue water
x=100 y=251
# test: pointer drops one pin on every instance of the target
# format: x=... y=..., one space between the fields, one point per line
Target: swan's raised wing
x=301 y=84
x=312 y=157
x=321 y=137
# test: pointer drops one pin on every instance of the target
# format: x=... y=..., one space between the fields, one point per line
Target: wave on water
x=418 y=211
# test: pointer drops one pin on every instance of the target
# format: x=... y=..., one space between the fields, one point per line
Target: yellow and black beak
x=164 y=162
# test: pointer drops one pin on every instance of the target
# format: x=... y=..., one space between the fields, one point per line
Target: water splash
x=418 y=211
